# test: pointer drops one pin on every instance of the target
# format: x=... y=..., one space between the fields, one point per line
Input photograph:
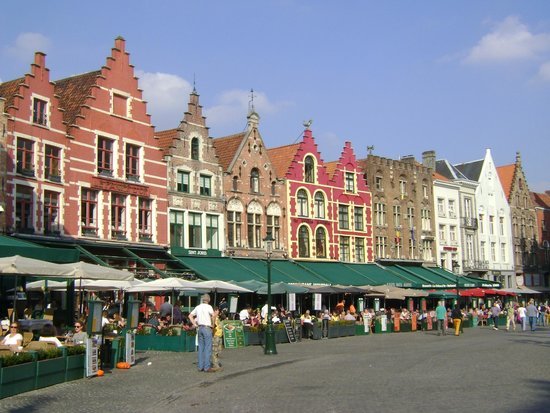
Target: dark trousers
x=441 y=327
x=325 y=328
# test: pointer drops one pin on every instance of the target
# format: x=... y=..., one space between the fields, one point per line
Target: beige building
x=254 y=206
x=402 y=208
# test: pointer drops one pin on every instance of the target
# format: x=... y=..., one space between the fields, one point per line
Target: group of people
x=48 y=334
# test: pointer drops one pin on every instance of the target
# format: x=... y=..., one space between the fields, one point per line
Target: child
x=217 y=338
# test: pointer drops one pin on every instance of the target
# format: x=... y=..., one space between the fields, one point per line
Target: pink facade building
x=328 y=205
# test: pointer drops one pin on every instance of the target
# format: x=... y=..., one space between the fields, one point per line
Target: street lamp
x=456 y=266
x=269 y=347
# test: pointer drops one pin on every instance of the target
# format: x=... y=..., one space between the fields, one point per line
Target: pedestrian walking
x=510 y=316
x=201 y=317
x=495 y=312
x=532 y=313
x=441 y=315
x=456 y=315
x=522 y=316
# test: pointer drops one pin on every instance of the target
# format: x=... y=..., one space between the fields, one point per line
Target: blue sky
x=455 y=77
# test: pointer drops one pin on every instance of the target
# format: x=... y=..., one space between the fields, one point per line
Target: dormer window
x=195 y=149
x=255 y=181
x=40 y=112
x=309 y=169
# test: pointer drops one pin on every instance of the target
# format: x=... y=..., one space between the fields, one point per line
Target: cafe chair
x=27 y=338
x=39 y=345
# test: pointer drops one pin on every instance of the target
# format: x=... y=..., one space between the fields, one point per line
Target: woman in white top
x=47 y=334
x=13 y=338
x=522 y=315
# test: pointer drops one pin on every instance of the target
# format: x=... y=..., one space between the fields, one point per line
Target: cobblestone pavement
x=482 y=370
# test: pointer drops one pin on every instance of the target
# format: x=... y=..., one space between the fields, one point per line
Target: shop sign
x=233 y=334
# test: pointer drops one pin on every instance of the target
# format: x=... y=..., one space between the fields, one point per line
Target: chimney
x=408 y=158
x=428 y=159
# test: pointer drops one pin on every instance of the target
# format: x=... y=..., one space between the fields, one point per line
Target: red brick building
x=541 y=201
x=328 y=205
x=86 y=167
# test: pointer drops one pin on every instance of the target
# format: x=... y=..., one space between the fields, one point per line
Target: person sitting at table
x=307 y=323
x=13 y=339
x=118 y=321
x=79 y=336
x=255 y=319
x=104 y=318
x=47 y=335
x=349 y=316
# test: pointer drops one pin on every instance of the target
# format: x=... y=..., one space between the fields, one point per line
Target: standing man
x=201 y=317
x=495 y=312
x=441 y=315
x=533 y=314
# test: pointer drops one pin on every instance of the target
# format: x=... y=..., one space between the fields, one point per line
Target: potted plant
x=254 y=335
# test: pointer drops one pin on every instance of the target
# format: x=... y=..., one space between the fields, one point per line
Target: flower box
x=163 y=343
x=253 y=337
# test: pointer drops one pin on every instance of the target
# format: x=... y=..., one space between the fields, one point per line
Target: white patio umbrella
x=89 y=271
x=110 y=285
x=18 y=265
x=222 y=287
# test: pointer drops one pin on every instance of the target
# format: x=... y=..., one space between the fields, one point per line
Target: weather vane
x=370 y=149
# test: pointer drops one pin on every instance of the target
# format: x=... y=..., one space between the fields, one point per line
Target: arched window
x=255 y=181
x=302 y=203
x=195 y=149
x=309 y=169
x=321 y=242
x=319 y=205
x=303 y=242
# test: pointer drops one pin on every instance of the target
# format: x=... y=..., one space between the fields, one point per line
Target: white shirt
x=263 y=313
x=14 y=340
x=243 y=315
x=54 y=340
x=203 y=313
x=522 y=312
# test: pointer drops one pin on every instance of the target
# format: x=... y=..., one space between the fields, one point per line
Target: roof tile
x=73 y=92
x=541 y=200
x=226 y=148
x=9 y=89
x=281 y=158
x=506 y=176
x=166 y=137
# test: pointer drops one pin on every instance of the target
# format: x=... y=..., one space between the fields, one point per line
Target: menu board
x=92 y=357
x=130 y=348
x=289 y=331
x=233 y=334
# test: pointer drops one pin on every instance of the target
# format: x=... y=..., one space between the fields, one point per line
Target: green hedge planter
x=75 y=367
x=253 y=338
x=163 y=343
x=17 y=379
x=360 y=330
x=50 y=372
x=191 y=342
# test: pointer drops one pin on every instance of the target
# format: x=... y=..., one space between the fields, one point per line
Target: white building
x=447 y=223
x=495 y=242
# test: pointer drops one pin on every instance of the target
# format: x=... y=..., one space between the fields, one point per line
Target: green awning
x=219 y=268
x=336 y=273
x=428 y=278
x=381 y=275
x=281 y=271
x=463 y=280
x=10 y=246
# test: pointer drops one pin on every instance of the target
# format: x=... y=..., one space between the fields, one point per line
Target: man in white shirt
x=245 y=313
x=201 y=317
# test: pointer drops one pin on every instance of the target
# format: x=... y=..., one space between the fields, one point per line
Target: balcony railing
x=475 y=265
x=469 y=222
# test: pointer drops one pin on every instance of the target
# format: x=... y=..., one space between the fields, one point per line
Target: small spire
x=251 y=102
x=194 y=83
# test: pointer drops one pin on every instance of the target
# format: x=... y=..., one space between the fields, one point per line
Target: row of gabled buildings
x=82 y=166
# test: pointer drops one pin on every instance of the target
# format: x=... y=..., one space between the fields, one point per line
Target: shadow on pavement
x=540 y=404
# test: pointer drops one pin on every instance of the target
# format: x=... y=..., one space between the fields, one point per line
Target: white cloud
x=26 y=44
x=544 y=72
x=510 y=40
x=167 y=96
x=232 y=107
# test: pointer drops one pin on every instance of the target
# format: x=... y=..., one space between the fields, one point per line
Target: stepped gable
x=9 y=89
x=73 y=92
x=282 y=157
x=227 y=147
x=506 y=175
